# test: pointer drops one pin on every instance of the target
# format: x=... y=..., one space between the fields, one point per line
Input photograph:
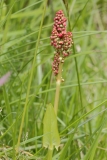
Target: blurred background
x=83 y=94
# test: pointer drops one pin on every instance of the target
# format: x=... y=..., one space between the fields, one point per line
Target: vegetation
x=26 y=53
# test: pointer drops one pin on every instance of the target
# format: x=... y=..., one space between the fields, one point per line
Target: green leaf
x=51 y=136
x=91 y=152
x=65 y=148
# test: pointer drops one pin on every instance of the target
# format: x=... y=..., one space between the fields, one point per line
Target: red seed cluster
x=55 y=65
x=61 y=40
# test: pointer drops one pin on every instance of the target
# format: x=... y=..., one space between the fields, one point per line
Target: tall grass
x=25 y=50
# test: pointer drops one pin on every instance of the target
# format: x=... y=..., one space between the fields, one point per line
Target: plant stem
x=58 y=83
x=49 y=155
x=76 y=64
x=30 y=79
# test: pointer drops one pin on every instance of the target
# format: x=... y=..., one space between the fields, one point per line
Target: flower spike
x=61 y=40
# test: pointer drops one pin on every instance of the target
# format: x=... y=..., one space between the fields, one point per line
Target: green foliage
x=25 y=50
x=51 y=137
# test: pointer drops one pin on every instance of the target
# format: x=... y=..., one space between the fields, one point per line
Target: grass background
x=25 y=50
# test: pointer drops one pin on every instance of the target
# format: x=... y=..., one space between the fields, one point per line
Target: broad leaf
x=51 y=136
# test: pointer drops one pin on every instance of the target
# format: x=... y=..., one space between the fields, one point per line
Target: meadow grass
x=25 y=51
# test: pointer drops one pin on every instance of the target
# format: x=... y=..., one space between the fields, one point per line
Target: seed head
x=61 y=40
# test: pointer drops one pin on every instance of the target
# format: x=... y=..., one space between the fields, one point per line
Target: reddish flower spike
x=61 y=40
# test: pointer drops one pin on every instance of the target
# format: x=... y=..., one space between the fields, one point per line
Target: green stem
x=30 y=79
x=76 y=64
x=49 y=155
x=58 y=83
x=77 y=71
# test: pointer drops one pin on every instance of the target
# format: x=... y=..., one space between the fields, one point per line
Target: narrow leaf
x=91 y=152
x=65 y=149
